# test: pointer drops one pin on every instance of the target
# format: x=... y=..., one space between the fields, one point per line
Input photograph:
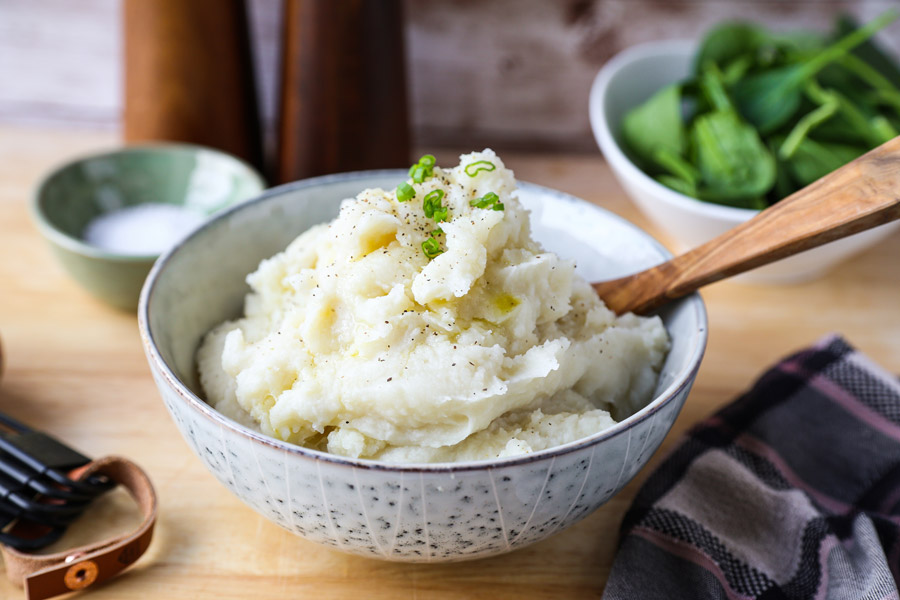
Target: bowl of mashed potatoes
x=412 y=365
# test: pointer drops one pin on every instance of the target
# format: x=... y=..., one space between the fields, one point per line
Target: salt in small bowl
x=107 y=217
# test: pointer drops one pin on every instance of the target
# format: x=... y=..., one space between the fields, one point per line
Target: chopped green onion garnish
x=437 y=232
x=486 y=201
x=423 y=169
x=405 y=192
x=431 y=247
x=498 y=206
x=432 y=205
x=473 y=169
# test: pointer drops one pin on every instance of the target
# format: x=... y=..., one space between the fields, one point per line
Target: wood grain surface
x=860 y=195
x=75 y=367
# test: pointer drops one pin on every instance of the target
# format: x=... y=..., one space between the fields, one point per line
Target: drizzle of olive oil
x=506 y=302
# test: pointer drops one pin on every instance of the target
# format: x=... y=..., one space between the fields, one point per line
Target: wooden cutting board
x=75 y=368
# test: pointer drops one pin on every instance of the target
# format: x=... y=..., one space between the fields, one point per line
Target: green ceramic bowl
x=200 y=180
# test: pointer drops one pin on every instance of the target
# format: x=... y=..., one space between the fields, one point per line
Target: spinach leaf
x=678 y=184
x=884 y=127
x=885 y=98
x=654 y=126
x=806 y=123
x=855 y=115
x=784 y=183
x=813 y=160
x=734 y=164
x=729 y=197
x=838 y=129
x=866 y=72
x=728 y=42
x=800 y=41
x=869 y=51
x=677 y=166
x=883 y=90
x=736 y=69
x=768 y=99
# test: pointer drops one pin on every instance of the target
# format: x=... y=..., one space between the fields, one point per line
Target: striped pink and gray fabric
x=792 y=491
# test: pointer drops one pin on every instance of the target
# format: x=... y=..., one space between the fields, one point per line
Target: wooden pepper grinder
x=189 y=75
x=343 y=97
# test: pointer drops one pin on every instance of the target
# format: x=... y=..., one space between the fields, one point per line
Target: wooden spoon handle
x=858 y=196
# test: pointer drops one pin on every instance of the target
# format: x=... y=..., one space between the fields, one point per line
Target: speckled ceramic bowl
x=68 y=198
x=433 y=512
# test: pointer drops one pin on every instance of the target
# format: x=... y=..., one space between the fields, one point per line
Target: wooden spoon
x=860 y=195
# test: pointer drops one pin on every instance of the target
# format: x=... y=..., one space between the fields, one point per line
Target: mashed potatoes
x=403 y=336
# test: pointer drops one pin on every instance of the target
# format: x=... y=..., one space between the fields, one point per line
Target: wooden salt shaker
x=189 y=75
x=343 y=103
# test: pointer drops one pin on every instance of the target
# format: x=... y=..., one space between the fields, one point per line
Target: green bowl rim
x=78 y=246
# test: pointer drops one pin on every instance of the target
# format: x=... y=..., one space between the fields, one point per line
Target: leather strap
x=47 y=575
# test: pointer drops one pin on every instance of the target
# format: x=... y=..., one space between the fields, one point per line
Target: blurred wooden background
x=505 y=73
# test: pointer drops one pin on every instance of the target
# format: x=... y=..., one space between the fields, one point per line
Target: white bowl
x=630 y=78
x=425 y=512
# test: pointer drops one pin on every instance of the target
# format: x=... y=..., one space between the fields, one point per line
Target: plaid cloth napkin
x=792 y=491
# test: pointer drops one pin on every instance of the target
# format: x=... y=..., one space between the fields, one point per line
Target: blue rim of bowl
x=682 y=380
x=78 y=246
x=609 y=146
